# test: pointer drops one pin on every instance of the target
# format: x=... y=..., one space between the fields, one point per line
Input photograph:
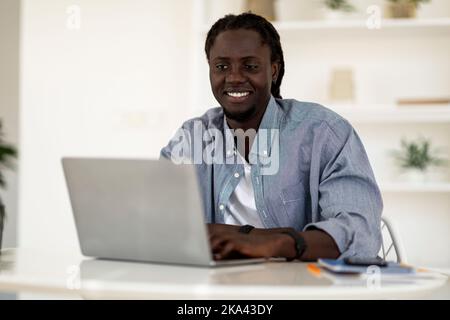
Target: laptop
x=140 y=210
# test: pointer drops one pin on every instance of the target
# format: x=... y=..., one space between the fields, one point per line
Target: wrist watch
x=246 y=229
x=300 y=244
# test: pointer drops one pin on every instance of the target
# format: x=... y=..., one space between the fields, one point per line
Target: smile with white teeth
x=238 y=94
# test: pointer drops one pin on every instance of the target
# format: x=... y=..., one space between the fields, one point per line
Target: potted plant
x=403 y=8
x=415 y=158
x=338 y=8
x=7 y=152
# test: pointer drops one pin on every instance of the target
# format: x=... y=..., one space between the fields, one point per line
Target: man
x=280 y=178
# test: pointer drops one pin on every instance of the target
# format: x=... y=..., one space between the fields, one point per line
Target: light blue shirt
x=310 y=171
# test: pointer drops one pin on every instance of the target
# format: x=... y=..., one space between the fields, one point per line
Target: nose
x=235 y=75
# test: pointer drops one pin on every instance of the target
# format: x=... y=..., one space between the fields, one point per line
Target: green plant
x=342 y=5
x=7 y=152
x=417 y=155
x=416 y=3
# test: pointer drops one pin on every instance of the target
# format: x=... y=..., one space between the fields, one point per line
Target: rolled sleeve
x=350 y=202
x=340 y=233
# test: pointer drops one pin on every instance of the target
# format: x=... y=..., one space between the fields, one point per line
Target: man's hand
x=227 y=242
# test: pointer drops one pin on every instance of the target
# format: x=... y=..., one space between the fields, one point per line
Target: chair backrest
x=392 y=248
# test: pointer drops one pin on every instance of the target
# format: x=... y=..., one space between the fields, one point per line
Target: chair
x=391 y=240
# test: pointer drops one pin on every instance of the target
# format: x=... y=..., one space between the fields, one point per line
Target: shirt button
x=236 y=175
x=221 y=207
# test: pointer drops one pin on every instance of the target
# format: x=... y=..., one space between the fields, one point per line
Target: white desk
x=44 y=272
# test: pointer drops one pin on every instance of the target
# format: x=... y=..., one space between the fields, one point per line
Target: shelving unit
x=411 y=187
x=394 y=114
x=424 y=26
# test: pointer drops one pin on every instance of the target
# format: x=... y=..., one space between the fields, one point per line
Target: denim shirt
x=309 y=171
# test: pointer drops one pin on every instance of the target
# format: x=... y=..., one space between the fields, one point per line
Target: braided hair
x=259 y=24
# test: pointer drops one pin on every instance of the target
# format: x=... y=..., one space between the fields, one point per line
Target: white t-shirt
x=241 y=208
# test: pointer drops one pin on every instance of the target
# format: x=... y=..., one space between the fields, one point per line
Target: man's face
x=241 y=73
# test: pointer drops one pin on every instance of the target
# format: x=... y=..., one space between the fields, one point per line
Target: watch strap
x=299 y=241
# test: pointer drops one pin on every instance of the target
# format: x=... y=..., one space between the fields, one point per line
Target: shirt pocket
x=293 y=200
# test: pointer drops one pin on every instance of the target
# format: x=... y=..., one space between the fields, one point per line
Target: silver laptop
x=140 y=210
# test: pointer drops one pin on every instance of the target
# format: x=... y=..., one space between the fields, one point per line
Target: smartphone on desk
x=361 y=261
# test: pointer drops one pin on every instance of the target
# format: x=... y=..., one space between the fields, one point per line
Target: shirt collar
x=269 y=121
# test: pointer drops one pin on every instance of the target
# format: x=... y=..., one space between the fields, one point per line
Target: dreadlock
x=257 y=23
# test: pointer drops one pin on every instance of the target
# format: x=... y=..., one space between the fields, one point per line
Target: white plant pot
x=333 y=15
x=415 y=176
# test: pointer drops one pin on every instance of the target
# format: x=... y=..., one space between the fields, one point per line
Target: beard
x=240 y=116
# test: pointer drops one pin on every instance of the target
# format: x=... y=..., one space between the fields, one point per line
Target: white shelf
x=405 y=26
x=442 y=23
x=394 y=114
x=439 y=187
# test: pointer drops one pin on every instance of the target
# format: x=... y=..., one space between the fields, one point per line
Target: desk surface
x=47 y=272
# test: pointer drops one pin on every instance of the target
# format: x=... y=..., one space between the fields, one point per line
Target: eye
x=221 y=67
x=251 y=66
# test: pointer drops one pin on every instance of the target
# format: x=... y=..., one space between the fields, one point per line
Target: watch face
x=246 y=229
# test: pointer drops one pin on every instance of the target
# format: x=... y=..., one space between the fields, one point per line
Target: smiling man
x=321 y=201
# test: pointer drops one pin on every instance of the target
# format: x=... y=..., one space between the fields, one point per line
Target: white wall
x=118 y=86
x=9 y=107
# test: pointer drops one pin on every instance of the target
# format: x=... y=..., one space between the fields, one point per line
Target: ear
x=275 y=71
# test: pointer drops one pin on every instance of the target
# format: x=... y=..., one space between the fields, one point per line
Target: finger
x=227 y=250
x=216 y=246
x=217 y=242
